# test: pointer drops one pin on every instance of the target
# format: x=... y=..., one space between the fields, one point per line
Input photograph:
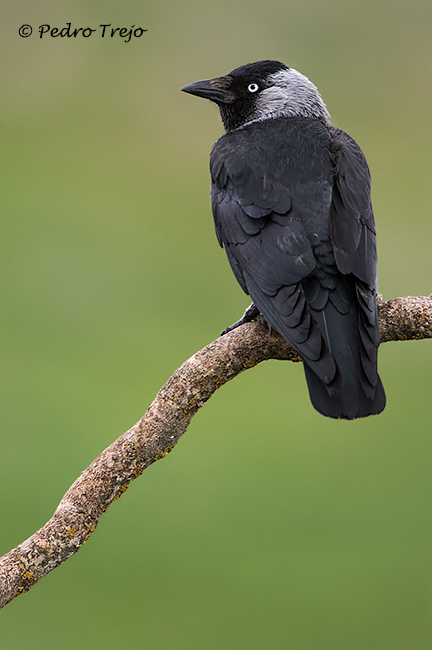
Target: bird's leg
x=250 y=314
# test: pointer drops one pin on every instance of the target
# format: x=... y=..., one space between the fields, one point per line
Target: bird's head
x=261 y=91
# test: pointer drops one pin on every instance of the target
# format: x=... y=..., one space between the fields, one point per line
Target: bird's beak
x=214 y=89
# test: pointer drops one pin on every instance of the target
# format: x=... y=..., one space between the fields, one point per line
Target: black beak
x=207 y=90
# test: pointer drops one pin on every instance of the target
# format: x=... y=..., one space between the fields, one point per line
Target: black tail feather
x=354 y=393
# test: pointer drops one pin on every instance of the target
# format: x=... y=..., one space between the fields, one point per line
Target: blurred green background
x=269 y=526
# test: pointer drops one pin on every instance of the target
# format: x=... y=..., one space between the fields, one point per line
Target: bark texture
x=158 y=431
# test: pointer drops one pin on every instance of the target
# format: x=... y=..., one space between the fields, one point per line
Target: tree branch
x=158 y=431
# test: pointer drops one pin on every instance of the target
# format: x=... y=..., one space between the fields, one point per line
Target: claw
x=250 y=314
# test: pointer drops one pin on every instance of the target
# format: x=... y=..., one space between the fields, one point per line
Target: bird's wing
x=264 y=203
x=353 y=235
x=352 y=225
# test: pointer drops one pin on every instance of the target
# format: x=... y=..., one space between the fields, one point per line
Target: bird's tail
x=356 y=390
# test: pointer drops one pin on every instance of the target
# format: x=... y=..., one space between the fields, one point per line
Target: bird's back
x=291 y=203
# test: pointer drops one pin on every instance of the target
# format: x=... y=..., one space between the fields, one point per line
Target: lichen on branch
x=158 y=431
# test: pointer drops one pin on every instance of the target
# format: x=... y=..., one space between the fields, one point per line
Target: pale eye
x=252 y=88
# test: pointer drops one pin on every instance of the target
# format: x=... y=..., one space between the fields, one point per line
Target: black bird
x=291 y=205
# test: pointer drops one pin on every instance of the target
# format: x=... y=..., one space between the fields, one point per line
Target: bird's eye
x=252 y=88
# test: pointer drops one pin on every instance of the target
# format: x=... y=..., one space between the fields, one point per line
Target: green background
x=269 y=526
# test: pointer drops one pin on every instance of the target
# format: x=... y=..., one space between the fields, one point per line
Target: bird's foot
x=251 y=313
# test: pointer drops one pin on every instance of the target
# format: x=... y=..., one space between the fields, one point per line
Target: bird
x=291 y=203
